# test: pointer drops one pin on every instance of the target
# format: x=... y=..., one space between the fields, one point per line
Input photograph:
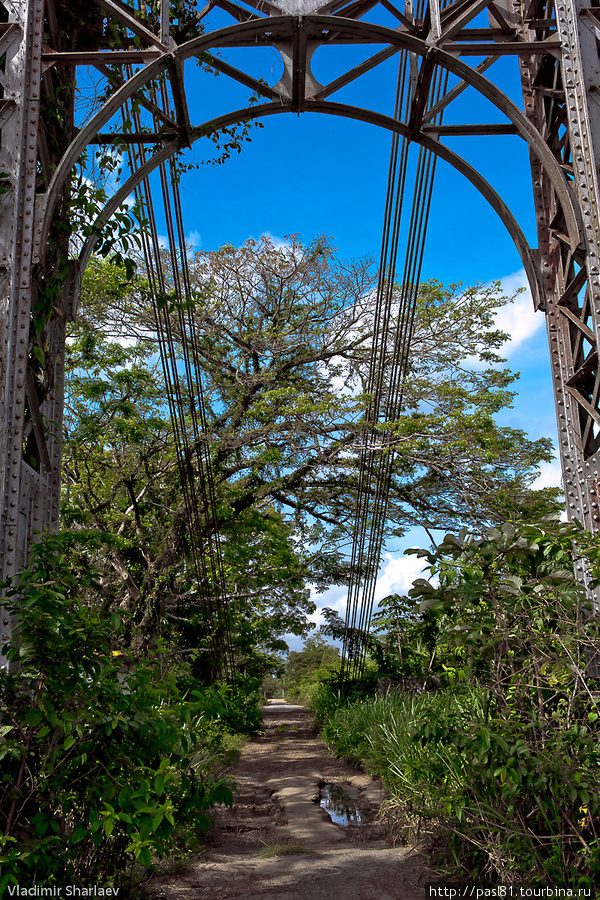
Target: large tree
x=283 y=337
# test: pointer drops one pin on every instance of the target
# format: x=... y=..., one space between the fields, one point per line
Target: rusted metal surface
x=557 y=99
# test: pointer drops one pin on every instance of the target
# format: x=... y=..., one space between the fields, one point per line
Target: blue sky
x=313 y=174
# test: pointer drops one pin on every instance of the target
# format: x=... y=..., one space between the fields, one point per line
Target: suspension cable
x=394 y=317
x=182 y=373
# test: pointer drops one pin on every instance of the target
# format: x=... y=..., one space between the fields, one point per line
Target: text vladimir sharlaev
x=70 y=890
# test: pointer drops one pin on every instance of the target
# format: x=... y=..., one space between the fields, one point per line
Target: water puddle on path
x=339 y=806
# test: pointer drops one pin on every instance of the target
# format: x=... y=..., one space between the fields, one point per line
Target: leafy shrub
x=508 y=756
x=379 y=734
x=241 y=704
x=513 y=621
x=100 y=761
x=307 y=668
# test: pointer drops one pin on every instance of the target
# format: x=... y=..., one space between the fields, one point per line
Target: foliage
x=508 y=755
x=400 y=645
x=103 y=762
x=378 y=733
x=241 y=705
x=122 y=497
x=284 y=346
x=403 y=642
x=307 y=667
x=273 y=686
x=515 y=622
x=283 y=353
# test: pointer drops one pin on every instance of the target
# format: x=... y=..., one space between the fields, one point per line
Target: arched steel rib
x=352 y=112
x=273 y=29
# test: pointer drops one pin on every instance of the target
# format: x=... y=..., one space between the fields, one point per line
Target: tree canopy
x=283 y=336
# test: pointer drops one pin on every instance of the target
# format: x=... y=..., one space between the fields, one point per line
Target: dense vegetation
x=309 y=667
x=284 y=354
x=501 y=763
x=105 y=760
x=114 y=732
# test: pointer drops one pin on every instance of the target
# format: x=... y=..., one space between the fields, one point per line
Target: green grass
x=477 y=788
x=378 y=735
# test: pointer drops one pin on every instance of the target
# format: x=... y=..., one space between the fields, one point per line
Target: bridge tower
x=140 y=48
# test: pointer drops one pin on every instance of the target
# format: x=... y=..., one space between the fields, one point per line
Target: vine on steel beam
x=27 y=496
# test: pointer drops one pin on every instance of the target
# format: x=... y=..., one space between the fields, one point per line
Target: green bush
x=241 y=704
x=512 y=620
x=380 y=735
x=507 y=757
x=307 y=668
x=101 y=762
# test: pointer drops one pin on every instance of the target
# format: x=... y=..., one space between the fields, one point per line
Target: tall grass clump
x=380 y=735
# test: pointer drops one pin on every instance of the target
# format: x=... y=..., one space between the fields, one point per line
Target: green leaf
x=33 y=717
x=78 y=835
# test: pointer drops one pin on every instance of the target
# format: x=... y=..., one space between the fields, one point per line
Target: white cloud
x=550 y=476
x=518 y=318
x=334 y=598
x=397 y=575
x=194 y=240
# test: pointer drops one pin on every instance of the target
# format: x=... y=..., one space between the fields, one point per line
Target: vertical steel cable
x=201 y=510
x=201 y=431
x=395 y=191
x=386 y=378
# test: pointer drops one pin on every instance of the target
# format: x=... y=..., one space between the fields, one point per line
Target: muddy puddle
x=339 y=805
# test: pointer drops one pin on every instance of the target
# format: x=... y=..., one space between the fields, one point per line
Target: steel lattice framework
x=556 y=43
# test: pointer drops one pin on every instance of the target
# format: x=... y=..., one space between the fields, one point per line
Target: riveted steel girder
x=28 y=498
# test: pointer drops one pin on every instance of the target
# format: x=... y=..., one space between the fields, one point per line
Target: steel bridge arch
x=362 y=115
x=560 y=76
x=266 y=32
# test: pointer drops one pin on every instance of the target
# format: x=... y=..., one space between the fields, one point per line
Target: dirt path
x=277 y=843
